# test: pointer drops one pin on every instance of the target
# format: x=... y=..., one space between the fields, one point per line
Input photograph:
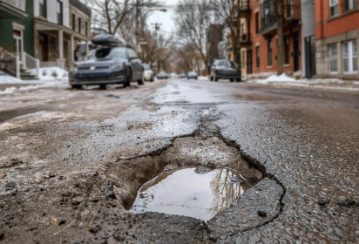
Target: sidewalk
x=332 y=84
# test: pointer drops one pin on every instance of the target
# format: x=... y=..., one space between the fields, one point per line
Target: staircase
x=18 y=67
x=26 y=75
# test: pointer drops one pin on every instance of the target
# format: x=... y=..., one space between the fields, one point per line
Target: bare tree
x=227 y=12
x=109 y=15
x=193 y=18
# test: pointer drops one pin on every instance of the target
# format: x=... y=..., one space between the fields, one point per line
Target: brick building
x=337 y=38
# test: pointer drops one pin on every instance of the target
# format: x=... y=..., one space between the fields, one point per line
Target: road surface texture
x=72 y=162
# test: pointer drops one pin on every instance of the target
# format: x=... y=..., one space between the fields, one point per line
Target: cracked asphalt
x=72 y=162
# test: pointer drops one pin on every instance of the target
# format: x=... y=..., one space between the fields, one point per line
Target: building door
x=43 y=48
x=296 y=52
x=249 y=62
x=310 y=67
x=18 y=43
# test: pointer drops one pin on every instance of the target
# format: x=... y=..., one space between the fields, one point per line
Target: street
x=73 y=161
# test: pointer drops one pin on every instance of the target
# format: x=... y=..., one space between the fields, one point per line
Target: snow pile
x=52 y=74
x=14 y=90
x=7 y=79
x=203 y=78
x=8 y=91
x=276 y=78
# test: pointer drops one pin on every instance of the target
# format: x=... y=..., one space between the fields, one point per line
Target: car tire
x=103 y=87
x=140 y=82
x=231 y=80
x=215 y=77
x=239 y=80
x=152 y=79
x=128 y=79
x=78 y=87
x=211 y=78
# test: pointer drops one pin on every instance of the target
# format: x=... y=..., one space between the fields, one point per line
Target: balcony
x=12 y=9
x=244 y=8
x=245 y=41
x=292 y=17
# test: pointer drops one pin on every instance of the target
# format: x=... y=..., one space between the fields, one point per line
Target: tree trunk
x=280 y=51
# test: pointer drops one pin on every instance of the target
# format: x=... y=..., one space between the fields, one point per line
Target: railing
x=9 y=63
x=291 y=13
x=245 y=38
x=31 y=63
x=20 y=4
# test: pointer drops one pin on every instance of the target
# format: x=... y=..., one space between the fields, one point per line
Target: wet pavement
x=72 y=163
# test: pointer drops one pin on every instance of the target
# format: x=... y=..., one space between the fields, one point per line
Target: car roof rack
x=107 y=40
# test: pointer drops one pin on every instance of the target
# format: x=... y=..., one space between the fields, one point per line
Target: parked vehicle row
x=113 y=62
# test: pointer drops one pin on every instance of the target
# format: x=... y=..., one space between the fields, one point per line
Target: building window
x=80 y=26
x=257 y=23
x=257 y=57
x=334 y=7
x=270 y=53
x=289 y=8
x=350 y=4
x=333 y=57
x=86 y=29
x=73 y=22
x=43 y=8
x=59 y=12
x=350 y=57
x=286 y=50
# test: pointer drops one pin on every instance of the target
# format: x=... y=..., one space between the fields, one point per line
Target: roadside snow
x=203 y=78
x=7 y=79
x=276 y=78
x=14 y=90
x=52 y=74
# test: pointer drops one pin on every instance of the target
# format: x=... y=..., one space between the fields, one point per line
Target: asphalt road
x=72 y=162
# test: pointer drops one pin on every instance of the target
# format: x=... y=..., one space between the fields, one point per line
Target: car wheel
x=215 y=77
x=140 y=82
x=103 y=87
x=239 y=80
x=231 y=80
x=211 y=78
x=128 y=80
x=152 y=79
x=76 y=87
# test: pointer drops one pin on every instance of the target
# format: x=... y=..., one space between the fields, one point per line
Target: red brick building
x=337 y=38
x=260 y=28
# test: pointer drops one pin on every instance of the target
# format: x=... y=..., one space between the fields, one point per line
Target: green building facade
x=25 y=27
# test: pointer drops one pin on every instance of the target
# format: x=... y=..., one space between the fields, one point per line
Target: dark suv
x=107 y=65
x=224 y=69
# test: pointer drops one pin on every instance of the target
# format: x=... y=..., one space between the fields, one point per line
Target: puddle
x=185 y=192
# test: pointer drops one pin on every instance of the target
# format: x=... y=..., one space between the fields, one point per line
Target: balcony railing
x=19 y=4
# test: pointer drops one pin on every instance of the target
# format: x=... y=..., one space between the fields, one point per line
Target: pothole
x=199 y=192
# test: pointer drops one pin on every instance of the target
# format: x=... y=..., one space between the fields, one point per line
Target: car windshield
x=233 y=65
x=111 y=53
x=146 y=66
x=90 y=55
x=192 y=73
x=162 y=73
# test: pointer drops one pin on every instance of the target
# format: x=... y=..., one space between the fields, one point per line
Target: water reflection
x=185 y=192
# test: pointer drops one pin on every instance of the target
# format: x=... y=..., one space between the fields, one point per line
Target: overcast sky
x=166 y=19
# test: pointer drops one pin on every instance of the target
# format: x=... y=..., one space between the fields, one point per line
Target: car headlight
x=73 y=69
x=117 y=67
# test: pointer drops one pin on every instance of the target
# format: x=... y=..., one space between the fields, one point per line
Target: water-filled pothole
x=194 y=192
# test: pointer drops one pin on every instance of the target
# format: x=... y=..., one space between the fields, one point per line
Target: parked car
x=182 y=76
x=149 y=73
x=225 y=69
x=162 y=76
x=192 y=75
x=113 y=63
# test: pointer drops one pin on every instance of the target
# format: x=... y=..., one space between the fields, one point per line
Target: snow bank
x=8 y=91
x=7 y=79
x=276 y=78
x=14 y=90
x=52 y=74
x=203 y=78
